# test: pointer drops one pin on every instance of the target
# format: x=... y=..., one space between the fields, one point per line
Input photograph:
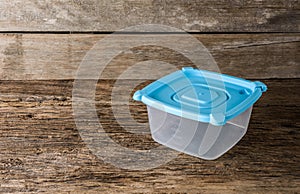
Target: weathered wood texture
x=41 y=150
x=51 y=56
x=112 y=15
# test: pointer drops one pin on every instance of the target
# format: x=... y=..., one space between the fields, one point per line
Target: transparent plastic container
x=199 y=112
x=207 y=141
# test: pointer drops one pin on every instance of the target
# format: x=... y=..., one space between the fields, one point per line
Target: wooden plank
x=193 y=16
x=51 y=56
x=41 y=149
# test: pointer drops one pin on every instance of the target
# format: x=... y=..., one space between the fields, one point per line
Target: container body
x=199 y=112
x=196 y=138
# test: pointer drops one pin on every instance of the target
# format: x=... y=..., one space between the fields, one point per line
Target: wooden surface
x=111 y=15
x=51 y=56
x=43 y=42
x=41 y=149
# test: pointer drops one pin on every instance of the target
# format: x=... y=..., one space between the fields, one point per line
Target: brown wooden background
x=42 y=44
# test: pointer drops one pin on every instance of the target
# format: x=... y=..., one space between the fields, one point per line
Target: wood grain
x=42 y=44
x=108 y=15
x=41 y=149
x=51 y=56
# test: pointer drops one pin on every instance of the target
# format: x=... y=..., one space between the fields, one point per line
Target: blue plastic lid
x=201 y=95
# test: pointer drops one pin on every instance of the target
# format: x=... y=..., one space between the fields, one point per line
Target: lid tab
x=261 y=86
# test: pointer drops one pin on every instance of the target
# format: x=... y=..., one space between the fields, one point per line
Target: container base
x=195 y=138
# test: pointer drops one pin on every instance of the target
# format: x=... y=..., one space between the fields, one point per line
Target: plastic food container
x=199 y=112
